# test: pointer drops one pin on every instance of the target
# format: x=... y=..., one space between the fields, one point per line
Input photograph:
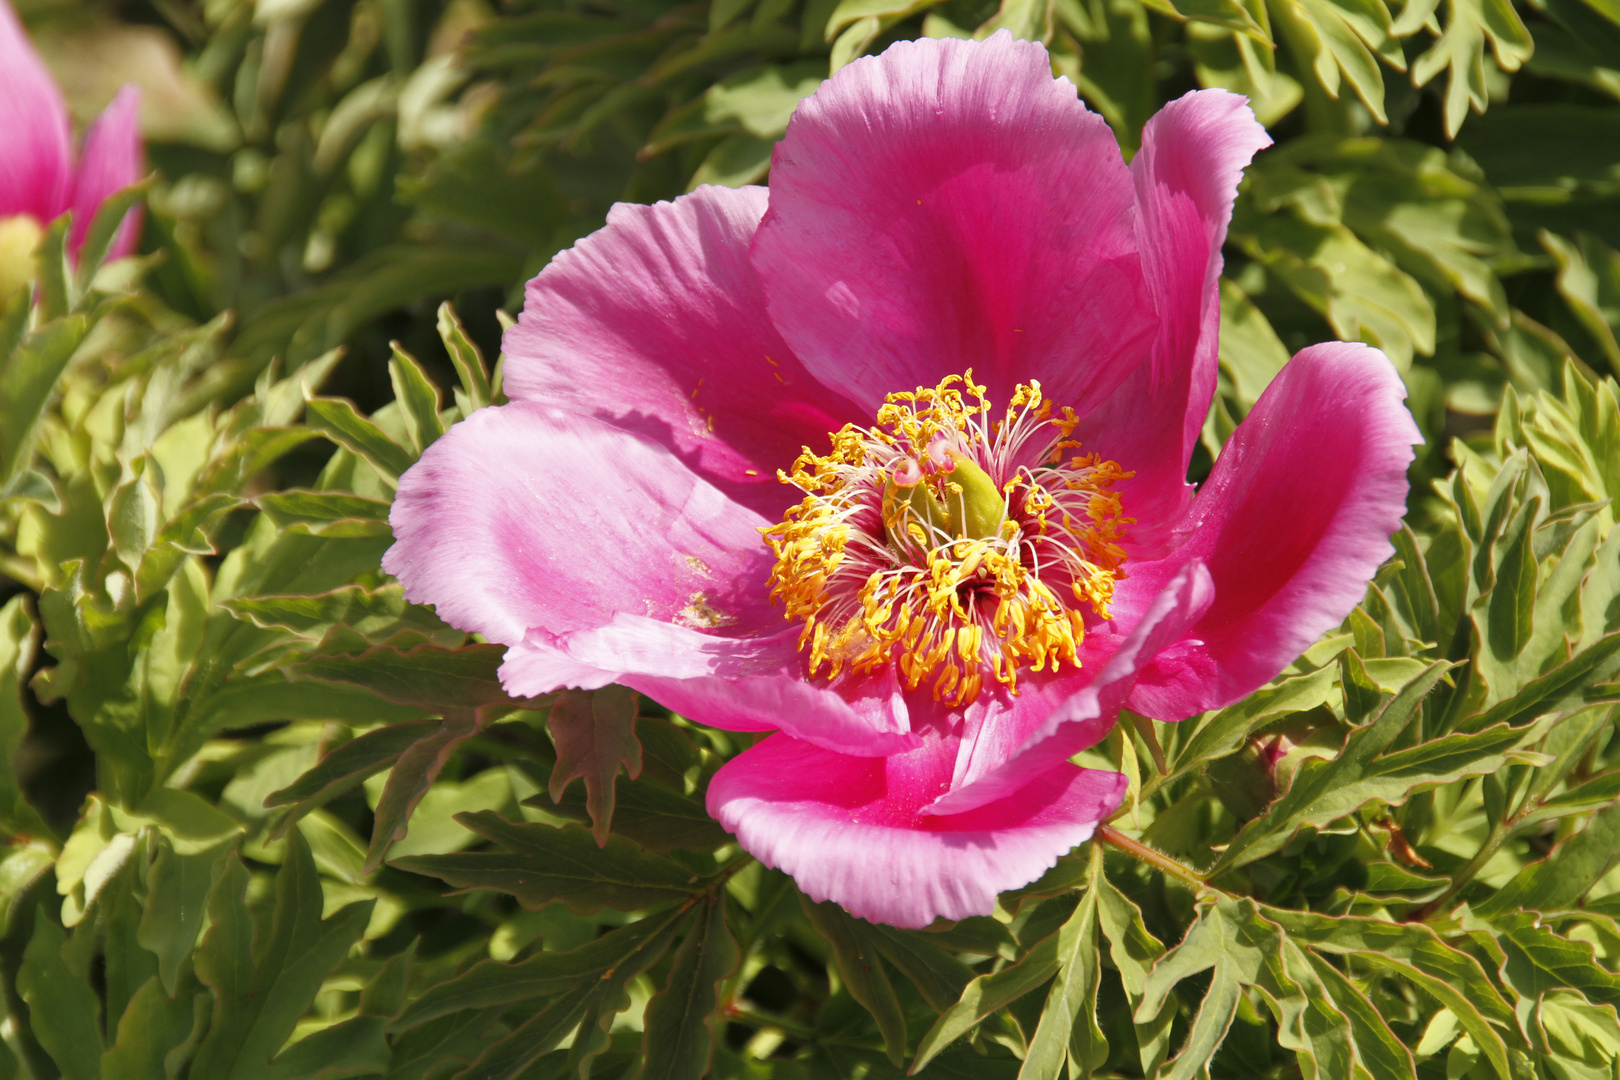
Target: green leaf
x=1229 y=937
x=261 y=988
x=19 y=643
x=28 y=378
x=1250 y=352
x=1461 y=50
x=679 y=1038
x=426 y=676
x=413 y=774
x=1377 y=1048
x=1324 y=791
x=1564 y=876
x=177 y=888
x=987 y=994
x=938 y=976
x=1068 y=1021
x=1536 y=961
x=349 y=764
x=1135 y=951
x=468 y=361
x=571 y=979
x=418 y=399
x=543 y=864
x=1221 y=733
x=594 y=731
x=1579 y=682
x=855 y=950
x=152 y=1028
x=62 y=1008
x=342 y=423
x=1414 y=952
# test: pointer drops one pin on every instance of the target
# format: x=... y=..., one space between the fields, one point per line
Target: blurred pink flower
x=971 y=594
x=38 y=179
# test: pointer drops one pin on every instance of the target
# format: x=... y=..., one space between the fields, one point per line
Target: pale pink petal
x=849 y=829
x=111 y=161
x=657 y=323
x=35 y=139
x=524 y=516
x=1193 y=154
x=949 y=205
x=1293 y=522
x=736 y=683
x=545 y=531
x=1003 y=749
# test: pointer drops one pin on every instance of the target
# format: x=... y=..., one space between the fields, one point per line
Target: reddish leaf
x=595 y=733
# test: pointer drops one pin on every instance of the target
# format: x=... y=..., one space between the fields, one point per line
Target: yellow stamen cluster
x=955 y=547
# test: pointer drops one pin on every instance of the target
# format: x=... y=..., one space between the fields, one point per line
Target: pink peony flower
x=978 y=348
x=38 y=180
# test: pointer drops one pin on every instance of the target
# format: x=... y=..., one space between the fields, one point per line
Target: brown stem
x=1157 y=859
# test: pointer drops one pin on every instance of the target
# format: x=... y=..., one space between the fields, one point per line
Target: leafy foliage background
x=264 y=819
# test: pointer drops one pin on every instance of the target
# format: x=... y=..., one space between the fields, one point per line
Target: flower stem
x=1157 y=859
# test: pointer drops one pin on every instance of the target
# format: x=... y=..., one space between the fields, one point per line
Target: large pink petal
x=949 y=205
x=657 y=322
x=111 y=161
x=524 y=516
x=1004 y=749
x=1193 y=154
x=850 y=829
x=35 y=139
x=1293 y=522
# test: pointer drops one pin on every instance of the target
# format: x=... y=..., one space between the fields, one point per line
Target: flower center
x=956 y=547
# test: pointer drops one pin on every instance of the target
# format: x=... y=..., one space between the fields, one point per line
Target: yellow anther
x=947 y=544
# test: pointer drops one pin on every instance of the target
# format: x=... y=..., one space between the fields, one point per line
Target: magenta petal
x=848 y=829
x=657 y=323
x=1293 y=522
x=949 y=205
x=523 y=517
x=1193 y=154
x=111 y=162
x=35 y=139
x=1012 y=747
